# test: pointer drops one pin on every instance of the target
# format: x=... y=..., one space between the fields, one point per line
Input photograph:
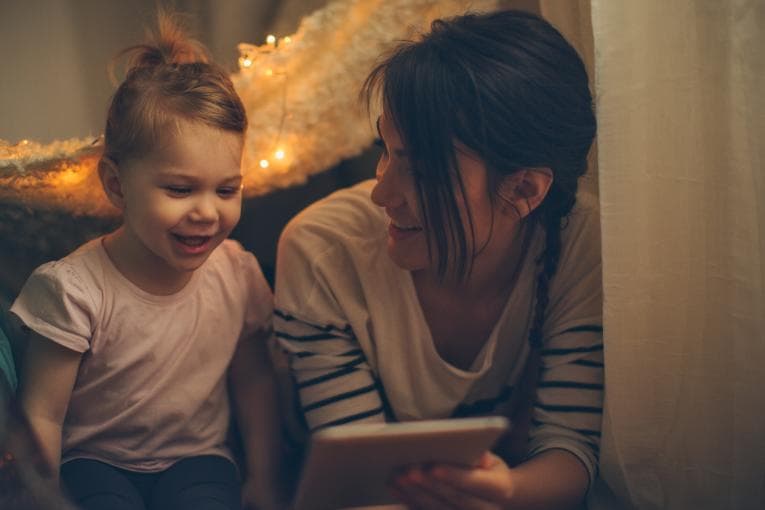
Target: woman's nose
x=386 y=193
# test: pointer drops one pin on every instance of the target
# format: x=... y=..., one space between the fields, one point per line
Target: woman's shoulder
x=586 y=209
x=581 y=229
x=346 y=216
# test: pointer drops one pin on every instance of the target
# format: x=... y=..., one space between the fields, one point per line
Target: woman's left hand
x=488 y=485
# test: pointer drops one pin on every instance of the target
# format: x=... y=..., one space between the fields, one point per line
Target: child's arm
x=253 y=384
x=47 y=379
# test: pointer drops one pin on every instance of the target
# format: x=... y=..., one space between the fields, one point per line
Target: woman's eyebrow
x=401 y=153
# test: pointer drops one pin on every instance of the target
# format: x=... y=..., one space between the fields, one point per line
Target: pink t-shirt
x=151 y=387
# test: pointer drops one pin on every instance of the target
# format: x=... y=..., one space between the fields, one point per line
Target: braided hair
x=508 y=87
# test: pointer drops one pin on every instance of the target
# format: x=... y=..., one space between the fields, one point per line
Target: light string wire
x=302 y=124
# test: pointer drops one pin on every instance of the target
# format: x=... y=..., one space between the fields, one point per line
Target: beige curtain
x=681 y=111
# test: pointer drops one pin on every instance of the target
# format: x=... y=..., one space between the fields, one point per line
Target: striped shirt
x=360 y=348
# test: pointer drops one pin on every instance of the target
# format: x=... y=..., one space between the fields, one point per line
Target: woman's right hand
x=487 y=486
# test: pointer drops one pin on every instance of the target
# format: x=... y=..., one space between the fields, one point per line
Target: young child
x=133 y=335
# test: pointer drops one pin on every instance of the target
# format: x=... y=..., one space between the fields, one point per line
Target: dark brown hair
x=511 y=89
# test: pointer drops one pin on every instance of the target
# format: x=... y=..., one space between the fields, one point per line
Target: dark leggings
x=196 y=483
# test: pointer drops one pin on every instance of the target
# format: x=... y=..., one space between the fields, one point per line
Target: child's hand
x=258 y=498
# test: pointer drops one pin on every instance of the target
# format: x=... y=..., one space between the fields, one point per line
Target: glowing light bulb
x=269 y=72
x=246 y=62
x=271 y=39
x=287 y=40
x=279 y=154
x=263 y=163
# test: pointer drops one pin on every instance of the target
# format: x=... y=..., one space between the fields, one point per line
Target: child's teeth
x=192 y=241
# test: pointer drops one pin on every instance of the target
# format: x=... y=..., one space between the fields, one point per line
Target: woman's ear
x=524 y=190
x=110 y=180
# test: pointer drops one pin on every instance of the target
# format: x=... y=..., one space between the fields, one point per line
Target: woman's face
x=396 y=191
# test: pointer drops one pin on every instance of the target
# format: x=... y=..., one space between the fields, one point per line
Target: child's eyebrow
x=232 y=179
x=175 y=175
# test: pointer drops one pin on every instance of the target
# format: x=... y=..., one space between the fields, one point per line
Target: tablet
x=350 y=465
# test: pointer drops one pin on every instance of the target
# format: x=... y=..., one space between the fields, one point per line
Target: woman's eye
x=178 y=190
x=381 y=144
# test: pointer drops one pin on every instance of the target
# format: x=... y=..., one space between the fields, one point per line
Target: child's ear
x=110 y=180
x=524 y=190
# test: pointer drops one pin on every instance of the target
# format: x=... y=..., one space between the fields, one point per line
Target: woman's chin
x=406 y=259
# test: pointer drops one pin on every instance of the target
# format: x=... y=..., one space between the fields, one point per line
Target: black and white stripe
x=334 y=381
x=569 y=396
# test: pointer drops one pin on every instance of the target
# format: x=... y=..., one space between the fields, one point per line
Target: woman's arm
x=253 y=386
x=316 y=292
x=47 y=380
x=333 y=378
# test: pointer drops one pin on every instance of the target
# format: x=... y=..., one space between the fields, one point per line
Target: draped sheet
x=681 y=112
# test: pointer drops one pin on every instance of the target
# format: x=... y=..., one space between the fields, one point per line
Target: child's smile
x=193 y=244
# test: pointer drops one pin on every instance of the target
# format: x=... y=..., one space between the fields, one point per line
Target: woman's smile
x=399 y=232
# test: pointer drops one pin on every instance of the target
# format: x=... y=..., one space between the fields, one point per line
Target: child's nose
x=205 y=209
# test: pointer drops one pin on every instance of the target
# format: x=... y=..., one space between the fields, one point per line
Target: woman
x=429 y=293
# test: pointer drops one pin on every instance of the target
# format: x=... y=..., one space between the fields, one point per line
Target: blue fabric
x=7 y=367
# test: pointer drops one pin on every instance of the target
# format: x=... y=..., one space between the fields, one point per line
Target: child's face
x=184 y=198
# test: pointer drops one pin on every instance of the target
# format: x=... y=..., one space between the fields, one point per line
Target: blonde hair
x=169 y=78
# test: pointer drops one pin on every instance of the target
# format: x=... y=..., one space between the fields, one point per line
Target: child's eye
x=178 y=191
x=228 y=191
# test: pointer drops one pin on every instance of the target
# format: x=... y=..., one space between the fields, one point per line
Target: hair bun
x=170 y=44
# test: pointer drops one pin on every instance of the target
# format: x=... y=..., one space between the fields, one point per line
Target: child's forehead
x=192 y=151
x=185 y=136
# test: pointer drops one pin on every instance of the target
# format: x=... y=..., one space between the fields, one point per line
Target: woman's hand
x=488 y=485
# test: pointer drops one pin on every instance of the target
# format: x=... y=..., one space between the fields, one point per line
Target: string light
x=62 y=175
x=257 y=59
